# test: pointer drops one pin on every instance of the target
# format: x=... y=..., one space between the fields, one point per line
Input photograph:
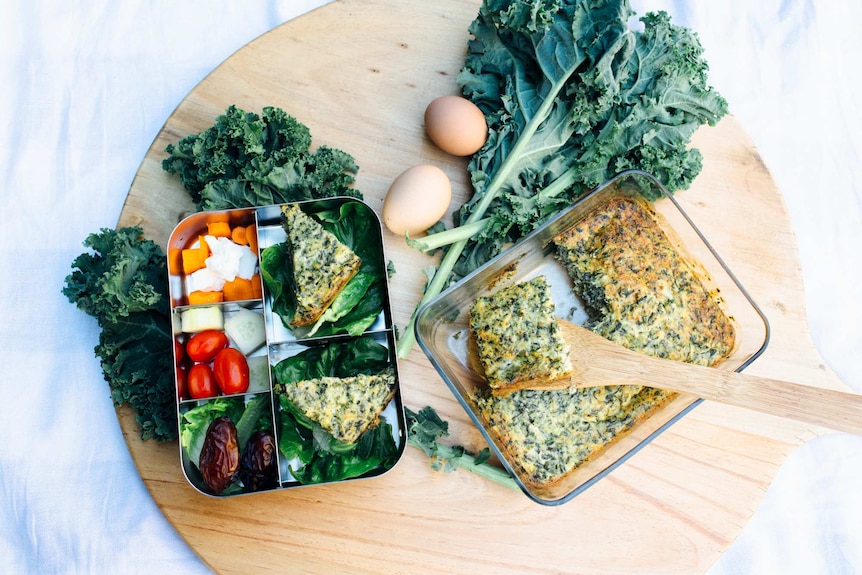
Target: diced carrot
x=204 y=247
x=193 y=260
x=251 y=238
x=238 y=235
x=256 y=287
x=218 y=229
x=198 y=297
x=175 y=261
x=218 y=217
x=238 y=289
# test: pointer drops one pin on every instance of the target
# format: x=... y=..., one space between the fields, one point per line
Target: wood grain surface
x=359 y=73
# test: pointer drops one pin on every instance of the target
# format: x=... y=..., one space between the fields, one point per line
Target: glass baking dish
x=442 y=324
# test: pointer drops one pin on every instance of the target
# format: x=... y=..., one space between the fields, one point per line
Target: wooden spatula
x=598 y=361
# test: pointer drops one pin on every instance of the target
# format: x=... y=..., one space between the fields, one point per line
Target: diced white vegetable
x=258 y=373
x=200 y=318
x=247 y=263
x=229 y=260
x=205 y=279
x=246 y=329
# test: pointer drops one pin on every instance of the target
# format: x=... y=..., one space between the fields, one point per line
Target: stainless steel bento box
x=442 y=327
x=269 y=444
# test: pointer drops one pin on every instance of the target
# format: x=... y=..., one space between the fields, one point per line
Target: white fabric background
x=87 y=85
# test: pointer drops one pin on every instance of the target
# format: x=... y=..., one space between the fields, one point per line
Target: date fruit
x=219 y=460
x=257 y=469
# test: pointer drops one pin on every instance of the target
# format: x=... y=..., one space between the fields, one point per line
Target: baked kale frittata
x=517 y=337
x=322 y=265
x=343 y=406
x=640 y=291
x=642 y=294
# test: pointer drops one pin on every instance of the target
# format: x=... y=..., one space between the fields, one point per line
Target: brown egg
x=416 y=200
x=456 y=125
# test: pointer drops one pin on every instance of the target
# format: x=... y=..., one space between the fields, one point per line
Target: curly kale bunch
x=123 y=284
x=247 y=160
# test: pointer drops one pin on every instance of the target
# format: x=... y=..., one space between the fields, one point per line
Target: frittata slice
x=518 y=340
x=345 y=407
x=549 y=433
x=322 y=265
x=642 y=293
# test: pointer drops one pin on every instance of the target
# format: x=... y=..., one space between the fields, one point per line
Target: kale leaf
x=572 y=96
x=123 y=284
x=247 y=160
x=243 y=160
x=425 y=428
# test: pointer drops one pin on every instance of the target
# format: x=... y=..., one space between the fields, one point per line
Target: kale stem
x=433 y=241
x=507 y=168
x=466 y=461
x=487 y=471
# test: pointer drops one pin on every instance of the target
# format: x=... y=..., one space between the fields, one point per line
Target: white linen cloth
x=87 y=85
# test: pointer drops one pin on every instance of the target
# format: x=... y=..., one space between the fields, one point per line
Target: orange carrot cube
x=218 y=229
x=199 y=297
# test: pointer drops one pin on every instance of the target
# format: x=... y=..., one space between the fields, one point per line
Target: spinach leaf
x=375 y=448
x=361 y=355
x=318 y=455
x=277 y=273
x=359 y=304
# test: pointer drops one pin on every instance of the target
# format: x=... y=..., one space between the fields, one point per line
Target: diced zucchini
x=246 y=329
x=258 y=374
x=200 y=318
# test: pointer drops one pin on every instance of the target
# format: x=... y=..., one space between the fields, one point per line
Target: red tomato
x=200 y=382
x=231 y=371
x=179 y=351
x=182 y=391
x=204 y=345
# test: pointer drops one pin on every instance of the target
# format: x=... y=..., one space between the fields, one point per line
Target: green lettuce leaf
x=248 y=417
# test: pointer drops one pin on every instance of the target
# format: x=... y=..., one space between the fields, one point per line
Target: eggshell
x=416 y=200
x=456 y=125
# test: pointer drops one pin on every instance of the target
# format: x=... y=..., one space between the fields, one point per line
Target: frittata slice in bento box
x=343 y=406
x=322 y=265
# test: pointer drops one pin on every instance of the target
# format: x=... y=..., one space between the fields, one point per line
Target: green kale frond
x=123 y=284
x=245 y=160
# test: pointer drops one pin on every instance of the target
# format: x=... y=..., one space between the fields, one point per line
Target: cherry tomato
x=231 y=371
x=200 y=382
x=204 y=345
x=182 y=391
x=179 y=351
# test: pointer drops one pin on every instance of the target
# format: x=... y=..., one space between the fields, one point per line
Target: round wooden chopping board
x=359 y=74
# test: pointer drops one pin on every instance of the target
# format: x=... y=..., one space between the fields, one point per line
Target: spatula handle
x=829 y=408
